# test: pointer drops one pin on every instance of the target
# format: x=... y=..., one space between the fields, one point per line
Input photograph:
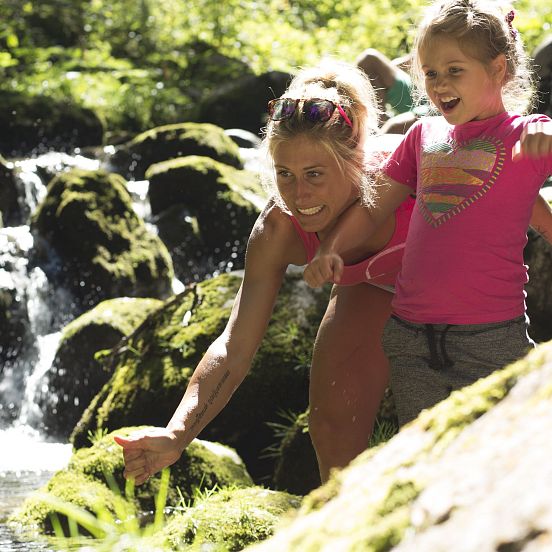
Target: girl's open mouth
x=448 y=104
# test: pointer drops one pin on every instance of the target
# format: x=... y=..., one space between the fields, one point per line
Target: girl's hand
x=148 y=451
x=325 y=267
x=535 y=141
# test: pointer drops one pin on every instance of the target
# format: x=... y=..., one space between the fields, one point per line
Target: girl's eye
x=455 y=70
x=313 y=174
x=430 y=74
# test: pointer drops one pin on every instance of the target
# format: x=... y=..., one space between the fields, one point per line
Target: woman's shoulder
x=276 y=235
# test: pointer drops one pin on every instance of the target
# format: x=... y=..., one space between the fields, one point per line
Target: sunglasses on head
x=315 y=110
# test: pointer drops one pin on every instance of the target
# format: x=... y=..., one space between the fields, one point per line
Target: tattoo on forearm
x=211 y=399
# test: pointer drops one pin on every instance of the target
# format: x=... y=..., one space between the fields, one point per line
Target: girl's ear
x=498 y=68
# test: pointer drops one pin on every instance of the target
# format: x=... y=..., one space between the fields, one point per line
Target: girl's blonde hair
x=346 y=85
x=483 y=30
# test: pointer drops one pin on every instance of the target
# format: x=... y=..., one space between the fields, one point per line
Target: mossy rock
x=227 y=520
x=39 y=511
x=104 y=249
x=76 y=376
x=36 y=124
x=11 y=212
x=192 y=260
x=429 y=487
x=153 y=369
x=224 y=200
x=538 y=256
x=296 y=468
x=166 y=142
x=93 y=481
x=208 y=69
x=242 y=102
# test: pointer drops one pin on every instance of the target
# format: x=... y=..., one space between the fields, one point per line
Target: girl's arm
x=353 y=228
x=271 y=247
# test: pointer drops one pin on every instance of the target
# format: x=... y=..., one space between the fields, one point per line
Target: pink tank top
x=380 y=269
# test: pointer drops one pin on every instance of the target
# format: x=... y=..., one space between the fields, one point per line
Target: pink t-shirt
x=380 y=269
x=463 y=262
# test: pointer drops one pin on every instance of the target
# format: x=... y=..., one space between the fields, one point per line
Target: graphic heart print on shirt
x=455 y=175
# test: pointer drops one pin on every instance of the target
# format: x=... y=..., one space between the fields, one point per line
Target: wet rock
x=133 y=158
x=88 y=238
x=93 y=481
x=76 y=376
x=225 y=202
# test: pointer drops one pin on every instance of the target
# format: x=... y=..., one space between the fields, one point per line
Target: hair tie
x=509 y=18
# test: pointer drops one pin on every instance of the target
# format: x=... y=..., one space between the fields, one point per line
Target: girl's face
x=311 y=184
x=462 y=88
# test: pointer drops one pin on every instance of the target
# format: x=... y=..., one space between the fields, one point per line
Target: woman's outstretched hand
x=325 y=267
x=148 y=451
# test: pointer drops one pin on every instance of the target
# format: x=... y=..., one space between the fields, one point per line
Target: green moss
x=93 y=480
x=186 y=135
x=231 y=519
x=70 y=487
x=448 y=418
x=122 y=313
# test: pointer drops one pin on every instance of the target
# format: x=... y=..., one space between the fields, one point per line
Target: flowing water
x=27 y=458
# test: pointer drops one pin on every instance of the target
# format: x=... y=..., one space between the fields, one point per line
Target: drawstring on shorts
x=436 y=362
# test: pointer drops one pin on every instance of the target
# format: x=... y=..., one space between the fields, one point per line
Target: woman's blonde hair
x=483 y=30
x=346 y=85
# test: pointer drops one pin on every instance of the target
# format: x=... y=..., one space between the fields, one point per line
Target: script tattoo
x=211 y=399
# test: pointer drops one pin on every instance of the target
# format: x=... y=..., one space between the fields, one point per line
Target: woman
x=315 y=141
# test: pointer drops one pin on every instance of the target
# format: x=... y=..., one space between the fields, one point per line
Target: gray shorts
x=429 y=361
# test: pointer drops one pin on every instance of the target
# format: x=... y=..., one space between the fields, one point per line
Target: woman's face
x=311 y=184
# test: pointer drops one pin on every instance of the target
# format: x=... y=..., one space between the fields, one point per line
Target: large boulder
x=89 y=238
x=242 y=103
x=133 y=158
x=472 y=473
x=35 y=124
x=152 y=368
x=93 y=481
x=538 y=256
x=76 y=376
x=11 y=212
x=223 y=200
x=542 y=61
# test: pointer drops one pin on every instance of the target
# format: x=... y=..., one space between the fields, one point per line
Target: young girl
x=459 y=310
x=315 y=142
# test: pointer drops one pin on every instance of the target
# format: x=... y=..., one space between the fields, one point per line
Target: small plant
x=118 y=530
x=382 y=432
x=282 y=430
x=97 y=435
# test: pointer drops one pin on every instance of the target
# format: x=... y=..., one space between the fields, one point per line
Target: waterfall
x=39 y=310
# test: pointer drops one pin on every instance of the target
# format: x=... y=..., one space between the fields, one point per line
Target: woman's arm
x=271 y=248
x=354 y=227
x=541 y=218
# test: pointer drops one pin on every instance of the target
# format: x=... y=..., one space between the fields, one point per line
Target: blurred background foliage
x=140 y=63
